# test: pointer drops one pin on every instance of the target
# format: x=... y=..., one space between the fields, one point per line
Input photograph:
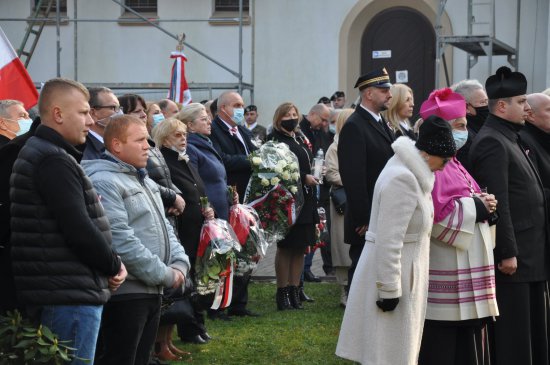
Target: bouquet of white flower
x=274 y=189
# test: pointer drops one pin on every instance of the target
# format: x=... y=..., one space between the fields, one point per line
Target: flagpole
x=58 y=33
x=240 y=47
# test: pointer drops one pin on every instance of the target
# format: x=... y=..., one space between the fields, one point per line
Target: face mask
x=476 y=121
x=24 y=126
x=103 y=122
x=289 y=125
x=332 y=128
x=238 y=115
x=460 y=138
x=157 y=118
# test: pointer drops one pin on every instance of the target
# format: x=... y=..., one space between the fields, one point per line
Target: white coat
x=394 y=264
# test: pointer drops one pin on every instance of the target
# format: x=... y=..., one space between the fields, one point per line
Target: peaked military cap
x=505 y=84
x=376 y=78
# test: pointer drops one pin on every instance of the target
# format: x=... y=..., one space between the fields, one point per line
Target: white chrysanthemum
x=285 y=175
x=278 y=169
x=293 y=189
x=265 y=182
x=256 y=161
x=275 y=181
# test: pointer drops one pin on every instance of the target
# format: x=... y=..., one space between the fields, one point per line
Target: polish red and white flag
x=15 y=82
x=179 y=90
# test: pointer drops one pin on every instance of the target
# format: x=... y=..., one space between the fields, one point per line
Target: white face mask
x=103 y=122
x=24 y=126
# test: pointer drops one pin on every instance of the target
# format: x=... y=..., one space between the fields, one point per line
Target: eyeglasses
x=114 y=108
x=180 y=134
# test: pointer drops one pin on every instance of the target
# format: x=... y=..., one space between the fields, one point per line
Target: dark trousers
x=354 y=254
x=520 y=334
x=128 y=331
x=454 y=343
x=240 y=293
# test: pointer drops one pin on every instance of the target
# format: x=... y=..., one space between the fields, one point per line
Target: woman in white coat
x=384 y=317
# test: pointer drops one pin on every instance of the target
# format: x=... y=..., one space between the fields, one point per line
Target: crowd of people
x=438 y=226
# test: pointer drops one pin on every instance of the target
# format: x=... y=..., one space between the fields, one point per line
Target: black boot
x=294 y=294
x=283 y=300
x=303 y=296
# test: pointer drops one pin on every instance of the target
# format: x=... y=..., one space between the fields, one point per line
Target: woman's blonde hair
x=165 y=128
x=342 y=118
x=189 y=113
x=399 y=97
x=280 y=113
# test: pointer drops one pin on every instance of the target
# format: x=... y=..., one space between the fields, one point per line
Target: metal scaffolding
x=38 y=20
x=475 y=45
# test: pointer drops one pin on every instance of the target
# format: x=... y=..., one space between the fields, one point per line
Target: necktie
x=233 y=131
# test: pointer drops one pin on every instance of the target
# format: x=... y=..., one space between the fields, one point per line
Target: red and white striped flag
x=15 y=82
x=179 y=90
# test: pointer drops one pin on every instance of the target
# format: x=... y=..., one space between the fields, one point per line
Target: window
x=226 y=12
x=230 y=5
x=142 y=6
x=44 y=4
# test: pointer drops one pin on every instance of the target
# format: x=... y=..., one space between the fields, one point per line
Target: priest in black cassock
x=500 y=163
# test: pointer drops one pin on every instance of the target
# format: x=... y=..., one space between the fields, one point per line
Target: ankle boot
x=294 y=294
x=303 y=296
x=282 y=298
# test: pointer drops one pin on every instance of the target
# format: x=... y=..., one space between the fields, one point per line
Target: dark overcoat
x=233 y=154
x=501 y=164
x=364 y=147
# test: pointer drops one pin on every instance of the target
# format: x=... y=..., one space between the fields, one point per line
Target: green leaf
x=48 y=333
x=23 y=344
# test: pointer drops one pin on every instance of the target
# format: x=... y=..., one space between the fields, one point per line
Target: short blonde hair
x=118 y=128
x=342 y=118
x=399 y=96
x=189 y=113
x=53 y=87
x=165 y=128
x=281 y=111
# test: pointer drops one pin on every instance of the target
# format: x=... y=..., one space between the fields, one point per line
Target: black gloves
x=387 y=305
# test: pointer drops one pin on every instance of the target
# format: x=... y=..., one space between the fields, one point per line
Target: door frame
x=357 y=21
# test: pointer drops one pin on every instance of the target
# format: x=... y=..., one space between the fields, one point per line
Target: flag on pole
x=15 y=82
x=179 y=90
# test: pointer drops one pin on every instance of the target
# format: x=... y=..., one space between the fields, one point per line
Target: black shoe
x=294 y=295
x=197 y=340
x=310 y=277
x=303 y=296
x=215 y=314
x=205 y=336
x=282 y=299
x=242 y=313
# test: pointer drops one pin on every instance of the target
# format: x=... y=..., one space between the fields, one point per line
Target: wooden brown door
x=410 y=37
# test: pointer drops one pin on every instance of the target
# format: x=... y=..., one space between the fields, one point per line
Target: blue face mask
x=332 y=128
x=157 y=118
x=238 y=115
x=460 y=138
x=24 y=126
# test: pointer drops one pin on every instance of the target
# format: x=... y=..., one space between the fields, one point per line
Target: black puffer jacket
x=159 y=172
x=60 y=235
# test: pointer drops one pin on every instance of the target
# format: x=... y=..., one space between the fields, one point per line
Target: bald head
x=319 y=116
x=539 y=115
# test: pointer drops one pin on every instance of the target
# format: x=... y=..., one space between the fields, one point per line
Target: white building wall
x=295 y=46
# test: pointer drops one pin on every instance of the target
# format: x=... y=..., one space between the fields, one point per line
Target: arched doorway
x=410 y=38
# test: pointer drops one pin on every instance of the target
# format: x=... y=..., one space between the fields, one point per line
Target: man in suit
x=500 y=163
x=233 y=142
x=364 y=148
x=103 y=105
x=536 y=137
